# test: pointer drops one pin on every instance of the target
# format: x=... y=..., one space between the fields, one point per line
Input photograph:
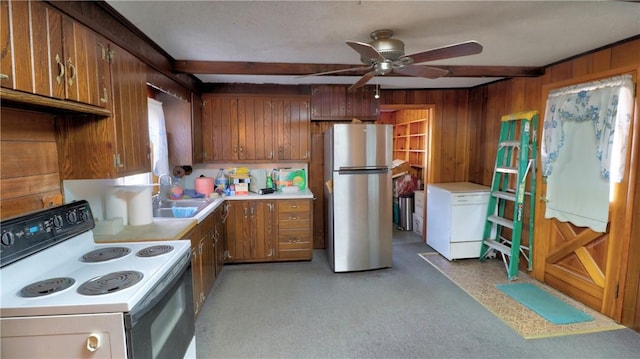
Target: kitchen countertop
x=160 y=229
x=176 y=228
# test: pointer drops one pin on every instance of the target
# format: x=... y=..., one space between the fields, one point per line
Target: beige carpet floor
x=479 y=279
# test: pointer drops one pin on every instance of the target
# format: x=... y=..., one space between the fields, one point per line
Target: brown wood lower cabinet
x=295 y=240
x=207 y=246
x=268 y=230
x=250 y=231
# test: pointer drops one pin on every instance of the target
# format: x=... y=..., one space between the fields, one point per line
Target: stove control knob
x=72 y=217
x=85 y=216
x=8 y=238
x=58 y=222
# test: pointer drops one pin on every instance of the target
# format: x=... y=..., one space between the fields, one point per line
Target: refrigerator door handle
x=362 y=170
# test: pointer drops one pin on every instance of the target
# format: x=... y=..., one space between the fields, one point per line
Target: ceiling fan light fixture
x=383 y=68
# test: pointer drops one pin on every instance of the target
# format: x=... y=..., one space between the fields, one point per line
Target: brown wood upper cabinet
x=116 y=146
x=255 y=128
x=336 y=102
x=47 y=53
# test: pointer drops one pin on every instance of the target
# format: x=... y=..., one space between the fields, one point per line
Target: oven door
x=163 y=324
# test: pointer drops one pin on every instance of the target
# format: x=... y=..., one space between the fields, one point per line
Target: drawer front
x=294 y=238
x=295 y=223
x=293 y=216
x=289 y=246
x=296 y=254
x=294 y=205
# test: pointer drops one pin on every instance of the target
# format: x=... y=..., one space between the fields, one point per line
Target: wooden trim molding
x=8 y=95
x=281 y=68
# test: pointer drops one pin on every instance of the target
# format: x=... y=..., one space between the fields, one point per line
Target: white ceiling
x=513 y=33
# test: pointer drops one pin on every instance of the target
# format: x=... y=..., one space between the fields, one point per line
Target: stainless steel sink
x=181 y=208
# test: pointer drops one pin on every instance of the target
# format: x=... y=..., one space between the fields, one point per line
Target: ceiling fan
x=384 y=55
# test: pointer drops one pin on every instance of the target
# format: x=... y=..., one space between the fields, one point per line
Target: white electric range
x=63 y=295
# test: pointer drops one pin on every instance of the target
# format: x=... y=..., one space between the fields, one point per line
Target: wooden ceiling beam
x=301 y=69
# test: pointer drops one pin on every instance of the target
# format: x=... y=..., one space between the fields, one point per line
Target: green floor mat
x=545 y=304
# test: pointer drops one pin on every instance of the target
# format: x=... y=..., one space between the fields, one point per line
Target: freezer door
x=362 y=221
x=362 y=145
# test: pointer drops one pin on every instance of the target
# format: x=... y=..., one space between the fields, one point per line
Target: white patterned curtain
x=607 y=104
x=584 y=143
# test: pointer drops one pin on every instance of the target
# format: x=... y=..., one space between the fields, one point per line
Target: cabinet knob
x=72 y=72
x=60 y=65
x=4 y=76
x=105 y=95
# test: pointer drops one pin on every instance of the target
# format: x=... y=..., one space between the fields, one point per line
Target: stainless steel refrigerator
x=358 y=196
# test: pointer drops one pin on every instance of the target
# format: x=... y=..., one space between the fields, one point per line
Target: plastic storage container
x=221 y=182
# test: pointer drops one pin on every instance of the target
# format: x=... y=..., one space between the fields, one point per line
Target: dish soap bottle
x=269 y=181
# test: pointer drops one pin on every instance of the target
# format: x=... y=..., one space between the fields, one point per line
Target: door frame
x=620 y=213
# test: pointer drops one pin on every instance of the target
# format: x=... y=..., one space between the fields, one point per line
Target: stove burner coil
x=110 y=283
x=105 y=254
x=46 y=287
x=154 y=251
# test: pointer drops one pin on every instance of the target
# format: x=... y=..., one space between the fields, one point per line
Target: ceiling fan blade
x=360 y=68
x=366 y=51
x=422 y=71
x=445 y=52
x=363 y=80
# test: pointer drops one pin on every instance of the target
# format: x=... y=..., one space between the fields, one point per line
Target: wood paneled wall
x=450 y=155
x=29 y=171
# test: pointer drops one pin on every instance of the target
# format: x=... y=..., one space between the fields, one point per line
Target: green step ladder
x=515 y=166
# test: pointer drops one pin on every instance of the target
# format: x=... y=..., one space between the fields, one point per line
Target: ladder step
x=498 y=246
x=501 y=221
x=509 y=196
x=512 y=170
x=510 y=144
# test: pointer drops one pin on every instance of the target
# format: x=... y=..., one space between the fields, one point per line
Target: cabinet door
x=208 y=262
x=80 y=60
x=235 y=235
x=130 y=112
x=362 y=104
x=337 y=102
x=16 y=46
x=220 y=128
x=263 y=218
x=6 y=52
x=196 y=273
x=196 y=126
x=219 y=238
x=250 y=231
x=328 y=102
x=48 y=66
x=255 y=128
x=293 y=128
